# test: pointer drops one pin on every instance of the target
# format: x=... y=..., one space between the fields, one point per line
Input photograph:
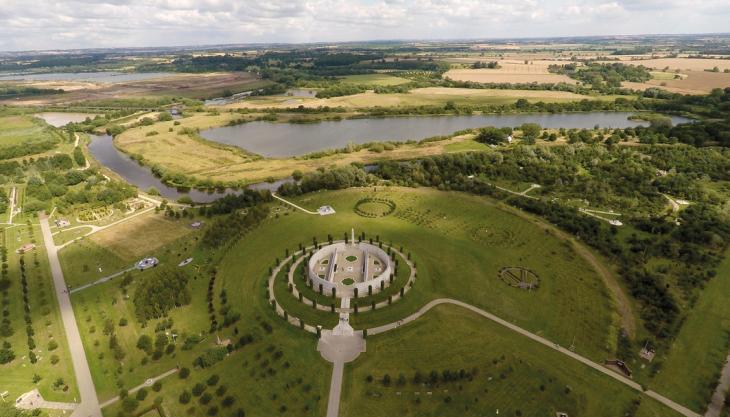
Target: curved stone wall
x=330 y=252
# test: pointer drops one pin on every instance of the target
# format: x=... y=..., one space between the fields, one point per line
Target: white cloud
x=52 y=24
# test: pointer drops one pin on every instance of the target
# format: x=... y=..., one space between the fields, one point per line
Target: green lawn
x=466 y=146
x=458 y=243
x=374 y=79
x=691 y=368
x=507 y=374
x=16 y=377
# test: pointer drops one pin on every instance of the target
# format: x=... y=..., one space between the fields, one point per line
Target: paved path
x=33 y=399
x=339 y=349
x=89 y=406
x=146 y=384
x=293 y=205
x=600 y=368
x=718 y=397
x=102 y=280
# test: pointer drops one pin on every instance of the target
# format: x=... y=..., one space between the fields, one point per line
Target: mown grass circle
x=374 y=207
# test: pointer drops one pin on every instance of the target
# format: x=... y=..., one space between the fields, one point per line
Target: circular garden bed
x=519 y=277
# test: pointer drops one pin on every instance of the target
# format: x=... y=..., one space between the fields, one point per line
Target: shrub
x=141 y=394
x=213 y=380
x=184 y=373
x=52 y=345
x=157 y=386
x=185 y=397
x=198 y=389
x=205 y=398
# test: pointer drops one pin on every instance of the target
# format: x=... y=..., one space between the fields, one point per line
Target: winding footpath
x=600 y=368
x=89 y=406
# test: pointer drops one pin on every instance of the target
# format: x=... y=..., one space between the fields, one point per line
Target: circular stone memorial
x=349 y=266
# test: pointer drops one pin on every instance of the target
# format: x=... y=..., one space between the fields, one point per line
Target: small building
x=26 y=248
x=196 y=225
x=647 y=353
x=509 y=139
x=325 y=210
x=61 y=223
x=185 y=262
x=147 y=263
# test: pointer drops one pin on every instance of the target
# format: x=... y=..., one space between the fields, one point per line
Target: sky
x=75 y=24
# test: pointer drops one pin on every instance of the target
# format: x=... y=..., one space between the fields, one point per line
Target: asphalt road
x=89 y=406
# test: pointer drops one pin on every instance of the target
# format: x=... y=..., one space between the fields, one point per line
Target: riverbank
x=175 y=151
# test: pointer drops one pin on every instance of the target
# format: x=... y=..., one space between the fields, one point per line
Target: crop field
x=506 y=373
x=511 y=73
x=692 y=82
x=373 y=79
x=682 y=64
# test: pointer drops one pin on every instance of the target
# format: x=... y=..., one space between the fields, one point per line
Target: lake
x=61 y=119
x=279 y=140
x=99 y=77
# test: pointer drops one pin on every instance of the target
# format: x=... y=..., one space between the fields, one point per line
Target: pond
x=287 y=139
x=62 y=119
x=103 y=150
x=99 y=77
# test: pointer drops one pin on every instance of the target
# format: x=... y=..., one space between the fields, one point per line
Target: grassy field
x=141 y=236
x=509 y=375
x=17 y=130
x=458 y=242
x=461 y=242
x=704 y=339
x=18 y=375
x=120 y=246
x=373 y=79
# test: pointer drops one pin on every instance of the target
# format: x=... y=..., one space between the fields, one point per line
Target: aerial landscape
x=364 y=208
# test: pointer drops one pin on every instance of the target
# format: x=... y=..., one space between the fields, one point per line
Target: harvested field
x=683 y=64
x=695 y=82
x=512 y=71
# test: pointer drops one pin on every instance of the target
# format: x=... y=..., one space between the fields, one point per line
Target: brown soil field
x=696 y=82
x=198 y=86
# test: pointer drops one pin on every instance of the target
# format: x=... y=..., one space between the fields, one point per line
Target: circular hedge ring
x=374 y=207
